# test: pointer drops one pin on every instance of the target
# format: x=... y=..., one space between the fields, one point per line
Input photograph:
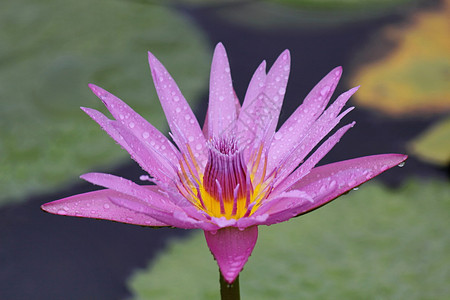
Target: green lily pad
x=412 y=77
x=50 y=51
x=434 y=144
x=374 y=243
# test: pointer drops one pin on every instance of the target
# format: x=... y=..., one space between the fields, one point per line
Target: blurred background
x=388 y=240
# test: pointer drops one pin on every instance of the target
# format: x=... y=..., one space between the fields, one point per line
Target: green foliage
x=434 y=144
x=50 y=51
x=374 y=243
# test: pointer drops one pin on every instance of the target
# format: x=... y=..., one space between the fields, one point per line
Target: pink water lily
x=236 y=173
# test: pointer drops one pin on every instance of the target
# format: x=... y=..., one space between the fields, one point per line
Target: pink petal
x=151 y=160
x=306 y=167
x=181 y=119
x=327 y=182
x=142 y=129
x=175 y=219
x=98 y=205
x=326 y=122
x=150 y=196
x=284 y=207
x=246 y=123
x=295 y=128
x=106 y=125
x=231 y=248
x=275 y=88
x=222 y=109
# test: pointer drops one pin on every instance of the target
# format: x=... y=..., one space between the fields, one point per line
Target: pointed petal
x=106 y=125
x=327 y=182
x=136 y=124
x=151 y=160
x=152 y=198
x=247 y=124
x=222 y=109
x=149 y=195
x=297 y=125
x=321 y=127
x=306 y=167
x=98 y=205
x=275 y=88
x=175 y=219
x=231 y=248
x=286 y=206
x=181 y=119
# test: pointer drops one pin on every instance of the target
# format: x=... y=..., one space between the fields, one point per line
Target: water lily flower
x=235 y=173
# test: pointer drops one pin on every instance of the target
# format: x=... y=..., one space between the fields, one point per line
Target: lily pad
x=412 y=78
x=434 y=144
x=50 y=51
x=374 y=243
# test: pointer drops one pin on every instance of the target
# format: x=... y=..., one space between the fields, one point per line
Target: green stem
x=229 y=291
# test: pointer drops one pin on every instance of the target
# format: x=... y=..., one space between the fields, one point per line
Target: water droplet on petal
x=324 y=90
x=131 y=125
x=176 y=98
x=282 y=91
x=61 y=212
x=277 y=136
x=401 y=165
x=145 y=135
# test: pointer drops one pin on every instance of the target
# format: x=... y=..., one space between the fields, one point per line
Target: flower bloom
x=237 y=172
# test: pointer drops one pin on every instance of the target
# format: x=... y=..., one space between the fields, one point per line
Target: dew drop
x=178 y=109
x=221 y=98
x=282 y=91
x=61 y=212
x=277 y=136
x=145 y=135
x=199 y=147
x=176 y=98
x=121 y=116
x=131 y=125
x=227 y=69
x=286 y=68
x=324 y=90
x=401 y=165
x=191 y=138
